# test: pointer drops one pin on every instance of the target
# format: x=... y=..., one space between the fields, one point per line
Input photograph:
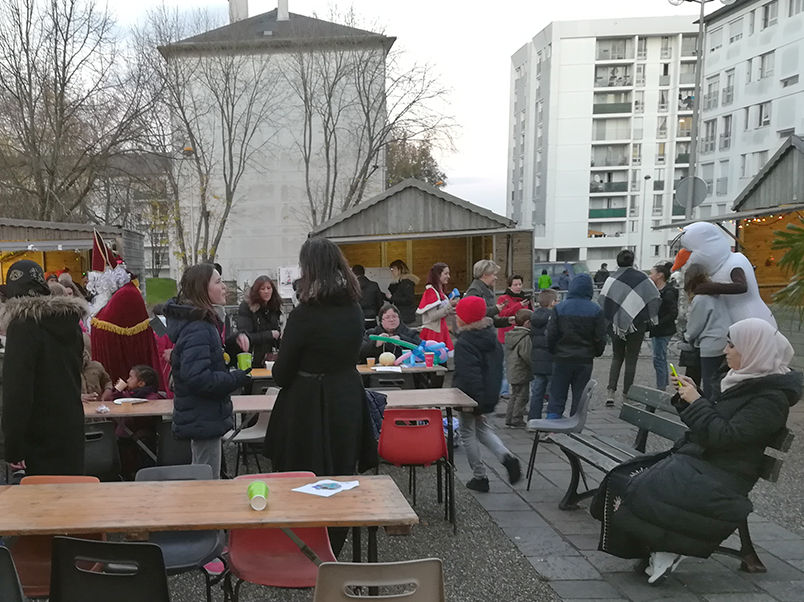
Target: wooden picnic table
x=446 y=399
x=143 y=507
x=365 y=370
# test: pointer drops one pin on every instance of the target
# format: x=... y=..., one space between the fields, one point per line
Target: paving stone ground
x=562 y=545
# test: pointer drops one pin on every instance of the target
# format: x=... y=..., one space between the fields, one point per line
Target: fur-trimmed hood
x=412 y=277
x=37 y=309
x=479 y=325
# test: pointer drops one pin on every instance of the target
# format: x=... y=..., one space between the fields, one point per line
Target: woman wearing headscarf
x=695 y=496
x=43 y=417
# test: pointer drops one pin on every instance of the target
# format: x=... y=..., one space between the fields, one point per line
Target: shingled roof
x=264 y=31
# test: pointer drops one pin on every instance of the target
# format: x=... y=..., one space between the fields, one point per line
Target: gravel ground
x=781 y=502
x=480 y=562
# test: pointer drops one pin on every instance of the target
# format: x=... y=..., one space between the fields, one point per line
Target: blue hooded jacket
x=576 y=331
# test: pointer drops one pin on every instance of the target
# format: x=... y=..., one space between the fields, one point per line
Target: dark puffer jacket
x=403 y=295
x=202 y=384
x=576 y=331
x=691 y=501
x=479 y=365
x=540 y=358
x=668 y=312
x=43 y=417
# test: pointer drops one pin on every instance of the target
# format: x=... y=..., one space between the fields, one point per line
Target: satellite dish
x=699 y=191
x=676 y=2
x=727 y=2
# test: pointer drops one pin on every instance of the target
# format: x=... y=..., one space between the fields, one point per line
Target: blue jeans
x=505 y=388
x=566 y=375
x=539 y=387
x=660 y=361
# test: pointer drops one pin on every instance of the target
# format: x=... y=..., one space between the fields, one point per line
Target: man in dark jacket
x=601 y=274
x=43 y=417
x=478 y=373
x=663 y=331
x=372 y=298
x=541 y=359
x=576 y=334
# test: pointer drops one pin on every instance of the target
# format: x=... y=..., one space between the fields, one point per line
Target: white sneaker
x=610 y=397
x=662 y=563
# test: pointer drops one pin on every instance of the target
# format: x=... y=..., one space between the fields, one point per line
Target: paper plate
x=131 y=400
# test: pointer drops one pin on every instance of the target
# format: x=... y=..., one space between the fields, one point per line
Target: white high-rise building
x=753 y=93
x=601 y=113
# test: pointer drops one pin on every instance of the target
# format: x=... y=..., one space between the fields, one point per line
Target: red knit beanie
x=471 y=309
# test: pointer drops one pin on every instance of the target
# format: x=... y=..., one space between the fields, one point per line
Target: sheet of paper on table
x=387 y=369
x=327 y=487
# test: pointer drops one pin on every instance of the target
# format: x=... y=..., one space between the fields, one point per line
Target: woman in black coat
x=43 y=417
x=693 y=499
x=402 y=291
x=320 y=417
x=202 y=383
x=390 y=325
x=258 y=321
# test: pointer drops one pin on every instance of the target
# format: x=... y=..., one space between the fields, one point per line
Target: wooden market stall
x=422 y=225
x=56 y=245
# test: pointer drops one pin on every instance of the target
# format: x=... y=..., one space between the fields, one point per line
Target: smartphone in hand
x=673 y=371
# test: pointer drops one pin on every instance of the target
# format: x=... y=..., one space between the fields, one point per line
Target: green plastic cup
x=244 y=361
x=258 y=494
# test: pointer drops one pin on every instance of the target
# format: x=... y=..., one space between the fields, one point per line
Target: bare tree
x=354 y=92
x=67 y=101
x=217 y=105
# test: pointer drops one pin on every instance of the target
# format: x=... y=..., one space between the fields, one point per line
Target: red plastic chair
x=32 y=553
x=414 y=438
x=269 y=557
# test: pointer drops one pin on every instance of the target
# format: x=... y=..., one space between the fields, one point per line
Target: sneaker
x=481 y=485
x=511 y=464
x=662 y=563
x=515 y=425
x=610 y=398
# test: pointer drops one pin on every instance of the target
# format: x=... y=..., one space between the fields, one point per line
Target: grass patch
x=159 y=290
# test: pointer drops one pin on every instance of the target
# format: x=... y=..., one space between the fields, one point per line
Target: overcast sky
x=470 y=44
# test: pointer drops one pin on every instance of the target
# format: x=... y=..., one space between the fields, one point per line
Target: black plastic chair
x=169 y=450
x=10 y=587
x=101 y=455
x=185 y=551
x=81 y=572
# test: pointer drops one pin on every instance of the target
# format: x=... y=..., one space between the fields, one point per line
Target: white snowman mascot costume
x=731 y=273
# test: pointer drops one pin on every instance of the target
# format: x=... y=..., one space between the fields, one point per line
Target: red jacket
x=514 y=305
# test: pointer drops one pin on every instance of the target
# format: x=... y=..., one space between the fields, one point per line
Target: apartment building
x=753 y=96
x=599 y=134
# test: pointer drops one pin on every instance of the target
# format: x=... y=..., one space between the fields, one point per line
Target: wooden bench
x=605 y=453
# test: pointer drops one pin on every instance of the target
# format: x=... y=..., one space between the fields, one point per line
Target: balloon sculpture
x=415 y=352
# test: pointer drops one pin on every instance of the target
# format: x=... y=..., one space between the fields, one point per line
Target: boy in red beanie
x=478 y=373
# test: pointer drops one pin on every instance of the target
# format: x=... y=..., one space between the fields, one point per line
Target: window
x=654 y=249
x=658 y=205
x=770 y=14
x=736 y=30
x=796 y=6
x=664 y=101
x=722 y=183
x=661 y=153
x=710 y=133
x=658 y=178
x=759 y=159
x=634 y=226
x=642 y=48
x=725 y=137
x=661 y=128
x=639 y=99
x=764 y=114
x=746 y=119
x=752 y=17
x=640 y=74
x=666 y=50
x=638 y=127
x=766 y=62
x=715 y=39
x=743 y=166
x=728 y=90
x=749 y=70
x=636 y=154
x=790 y=81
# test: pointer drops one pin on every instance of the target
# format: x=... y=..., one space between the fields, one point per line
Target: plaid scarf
x=629 y=299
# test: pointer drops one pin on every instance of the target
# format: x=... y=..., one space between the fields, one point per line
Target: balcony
x=658 y=184
x=686 y=104
x=642 y=54
x=684 y=132
x=615 y=54
x=728 y=95
x=710 y=101
x=725 y=141
x=661 y=133
x=635 y=184
x=608 y=187
x=722 y=186
x=708 y=144
x=607 y=213
x=610 y=161
x=660 y=159
x=686 y=79
x=666 y=53
x=678 y=209
x=664 y=80
x=688 y=47
x=683 y=158
x=621 y=81
x=664 y=107
x=611 y=107
x=658 y=211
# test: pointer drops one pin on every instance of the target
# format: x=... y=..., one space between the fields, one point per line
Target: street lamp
x=642 y=226
x=696 y=97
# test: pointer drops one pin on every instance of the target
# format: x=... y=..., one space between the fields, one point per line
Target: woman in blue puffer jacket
x=202 y=383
